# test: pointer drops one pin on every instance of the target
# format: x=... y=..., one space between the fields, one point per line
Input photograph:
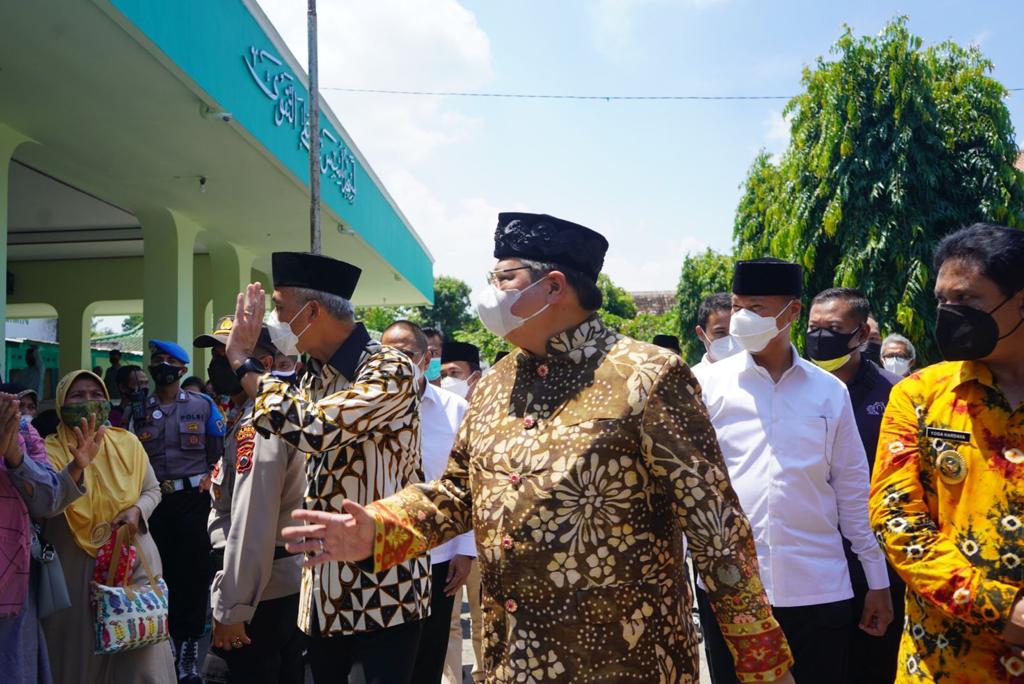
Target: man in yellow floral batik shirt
x=947 y=496
x=583 y=459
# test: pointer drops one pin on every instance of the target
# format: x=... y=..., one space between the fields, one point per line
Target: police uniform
x=183 y=440
x=254 y=488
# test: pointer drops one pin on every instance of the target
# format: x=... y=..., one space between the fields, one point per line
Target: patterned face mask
x=72 y=414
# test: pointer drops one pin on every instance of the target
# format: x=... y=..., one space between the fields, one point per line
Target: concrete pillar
x=9 y=141
x=202 y=323
x=168 y=246
x=230 y=268
x=74 y=323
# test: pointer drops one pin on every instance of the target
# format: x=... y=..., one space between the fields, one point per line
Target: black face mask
x=872 y=351
x=223 y=378
x=964 y=333
x=164 y=374
x=825 y=345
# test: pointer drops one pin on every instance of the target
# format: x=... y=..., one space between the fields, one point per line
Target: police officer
x=183 y=434
x=255 y=486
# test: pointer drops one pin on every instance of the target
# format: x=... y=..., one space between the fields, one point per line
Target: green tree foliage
x=450 y=311
x=616 y=300
x=702 y=275
x=893 y=145
x=131 y=322
x=378 y=318
x=487 y=342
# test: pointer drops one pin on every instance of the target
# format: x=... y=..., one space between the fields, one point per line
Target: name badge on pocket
x=947 y=435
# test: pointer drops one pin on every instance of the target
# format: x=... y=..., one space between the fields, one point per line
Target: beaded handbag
x=129 y=616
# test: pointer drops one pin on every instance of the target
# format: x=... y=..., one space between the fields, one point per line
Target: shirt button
x=514 y=479
x=511 y=606
x=542 y=370
x=506 y=543
x=529 y=422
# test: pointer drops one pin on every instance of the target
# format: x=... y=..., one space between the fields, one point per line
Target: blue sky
x=659 y=179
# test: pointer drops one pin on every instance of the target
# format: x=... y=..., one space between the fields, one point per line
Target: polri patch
x=947 y=435
x=245 y=439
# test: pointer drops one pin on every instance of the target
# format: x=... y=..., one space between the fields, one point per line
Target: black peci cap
x=767 y=277
x=315 y=272
x=539 y=237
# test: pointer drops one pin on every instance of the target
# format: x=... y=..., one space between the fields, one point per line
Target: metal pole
x=314 y=134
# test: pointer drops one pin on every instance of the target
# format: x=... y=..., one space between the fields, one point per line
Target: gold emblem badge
x=100 y=534
x=952 y=466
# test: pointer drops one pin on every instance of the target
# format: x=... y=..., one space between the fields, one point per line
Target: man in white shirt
x=795 y=458
x=441 y=413
x=713 y=332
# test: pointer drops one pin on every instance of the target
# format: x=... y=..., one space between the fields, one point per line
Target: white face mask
x=494 y=307
x=281 y=334
x=753 y=332
x=455 y=386
x=895 y=364
x=722 y=348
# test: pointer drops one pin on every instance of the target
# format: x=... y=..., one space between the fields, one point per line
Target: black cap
x=666 y=341
x=315 y=272
x=460 y=351
x=539 y=237
x=767 y=277
x=223 y=329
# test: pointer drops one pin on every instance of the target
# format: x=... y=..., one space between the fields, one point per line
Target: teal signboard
x=224 y=50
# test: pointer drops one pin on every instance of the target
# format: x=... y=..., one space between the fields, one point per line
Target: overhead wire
x=563 y=96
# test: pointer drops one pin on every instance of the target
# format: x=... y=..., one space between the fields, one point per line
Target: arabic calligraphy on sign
x=337 y=163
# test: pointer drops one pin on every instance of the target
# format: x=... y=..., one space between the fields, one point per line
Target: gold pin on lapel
x=952 y=466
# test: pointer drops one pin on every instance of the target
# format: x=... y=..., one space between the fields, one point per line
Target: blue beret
x=170 y=348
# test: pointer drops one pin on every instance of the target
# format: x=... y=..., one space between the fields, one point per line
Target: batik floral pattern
x=955 y=534
x=579 y=472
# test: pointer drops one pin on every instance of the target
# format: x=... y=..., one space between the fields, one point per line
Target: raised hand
x=245 y=331
x=330 y=537
x=88 y=438
x=9 y=424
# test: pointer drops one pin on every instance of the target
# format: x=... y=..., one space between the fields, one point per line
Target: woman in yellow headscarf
x=120 y=488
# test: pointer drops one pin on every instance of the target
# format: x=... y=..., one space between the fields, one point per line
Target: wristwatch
x=250 y=365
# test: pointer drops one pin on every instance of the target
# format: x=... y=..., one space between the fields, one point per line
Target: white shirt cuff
x=876 y=574
x=465 y=545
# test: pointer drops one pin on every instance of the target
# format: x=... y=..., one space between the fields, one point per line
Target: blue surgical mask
x=433 y=370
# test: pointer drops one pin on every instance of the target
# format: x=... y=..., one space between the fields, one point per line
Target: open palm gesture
x=89 y=437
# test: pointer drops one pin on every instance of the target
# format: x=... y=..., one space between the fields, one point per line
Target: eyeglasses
x=409 y=353
x=492 y=276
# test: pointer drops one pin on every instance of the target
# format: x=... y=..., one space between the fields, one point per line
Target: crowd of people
x=324 y=499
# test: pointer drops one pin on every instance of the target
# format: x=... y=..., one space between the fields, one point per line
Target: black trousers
x=178 y=526
x=873 y=660
x=275 y=655
x=818 y=636
x=384 y=656
x=430 y=658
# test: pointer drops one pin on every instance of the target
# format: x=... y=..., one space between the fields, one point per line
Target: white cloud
x=461 y=233
x=393 y=45
x=640 y=268
x=776 y=137
x=405 y=45
x=613 y=21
